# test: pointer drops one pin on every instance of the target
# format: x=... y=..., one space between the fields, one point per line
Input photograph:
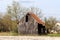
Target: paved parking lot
x=28 y=38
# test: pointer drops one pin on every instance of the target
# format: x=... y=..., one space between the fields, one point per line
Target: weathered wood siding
x=29 y=27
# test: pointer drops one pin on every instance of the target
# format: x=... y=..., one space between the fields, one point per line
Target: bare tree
x=16 y=11
x=50 y=22
x=37 y=11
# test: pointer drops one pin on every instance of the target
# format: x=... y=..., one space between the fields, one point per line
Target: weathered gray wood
x=29 y=27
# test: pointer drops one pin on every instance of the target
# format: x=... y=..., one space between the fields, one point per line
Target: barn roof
x=36 y=18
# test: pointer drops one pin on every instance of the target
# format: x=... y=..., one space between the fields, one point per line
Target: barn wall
x=29 y=27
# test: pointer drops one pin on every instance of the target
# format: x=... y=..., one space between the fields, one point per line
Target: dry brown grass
x=8 y=34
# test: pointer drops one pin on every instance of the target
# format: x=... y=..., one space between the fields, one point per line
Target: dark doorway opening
x=26 y=18
x=41 y=29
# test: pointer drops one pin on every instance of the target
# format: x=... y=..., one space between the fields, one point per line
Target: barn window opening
x=26 y=18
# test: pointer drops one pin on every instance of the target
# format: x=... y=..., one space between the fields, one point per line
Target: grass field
x=8 y=34
x=16 y=34
x=54 y=35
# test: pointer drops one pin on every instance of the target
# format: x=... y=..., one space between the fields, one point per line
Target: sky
x=48 y=7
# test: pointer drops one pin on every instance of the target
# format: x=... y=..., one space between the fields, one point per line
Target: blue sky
x=49 y=7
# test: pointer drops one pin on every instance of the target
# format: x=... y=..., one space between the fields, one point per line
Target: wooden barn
x=31 y=24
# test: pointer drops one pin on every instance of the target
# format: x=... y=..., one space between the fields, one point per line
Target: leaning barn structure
x=31 y=24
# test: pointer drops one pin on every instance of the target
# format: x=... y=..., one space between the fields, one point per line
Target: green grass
x=54 y=35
